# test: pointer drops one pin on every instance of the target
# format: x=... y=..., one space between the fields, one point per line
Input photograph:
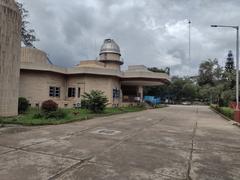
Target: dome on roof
x=110 y=46
x=9 y=3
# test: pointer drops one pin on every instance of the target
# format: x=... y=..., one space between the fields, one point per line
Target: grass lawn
x=71 y=115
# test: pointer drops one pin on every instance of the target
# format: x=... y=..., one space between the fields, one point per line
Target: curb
x=225 y=117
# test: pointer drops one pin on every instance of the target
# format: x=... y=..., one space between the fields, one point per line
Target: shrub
x=49 y=106
x=23 y=105
x=38 y=115
x=58 y=114
x=95 y=101
x=226 y=111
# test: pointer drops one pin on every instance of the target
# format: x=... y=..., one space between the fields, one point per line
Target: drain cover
x=106 y=132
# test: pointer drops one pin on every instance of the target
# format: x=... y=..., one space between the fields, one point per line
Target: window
x=116 y=93
x=71 y=92
x=79 y=92
x=57 y=92
x=54 y=91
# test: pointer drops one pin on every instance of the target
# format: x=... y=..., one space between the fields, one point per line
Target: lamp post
x=237 y=67
x=189 y=36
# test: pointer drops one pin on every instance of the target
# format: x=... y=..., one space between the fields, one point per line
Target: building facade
x=10 y=45
x=40 y=80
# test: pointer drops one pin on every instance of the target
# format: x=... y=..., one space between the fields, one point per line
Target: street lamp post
x=189 y=50
x=237 y=67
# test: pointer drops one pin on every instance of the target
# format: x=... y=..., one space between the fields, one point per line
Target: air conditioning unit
x=77 y=105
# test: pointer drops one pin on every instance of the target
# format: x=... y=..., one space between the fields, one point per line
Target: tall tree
x=230 y=73
x=229 y=67
x=209 y=72
x=27 y=35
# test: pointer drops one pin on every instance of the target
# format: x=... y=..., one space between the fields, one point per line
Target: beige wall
x=34 y=85
x=75 y=81
x=112 y=65
x=105 y=84
x=111 y=60
x=110 y=56
x=33 y=55
x=91 y=63
x=9 y=57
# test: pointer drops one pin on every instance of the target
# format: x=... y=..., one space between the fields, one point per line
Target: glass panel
x=51 y=91
x=57 y=92
x=71 y=92
x=79 y=92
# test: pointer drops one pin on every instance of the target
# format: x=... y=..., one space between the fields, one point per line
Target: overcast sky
x=149 y=32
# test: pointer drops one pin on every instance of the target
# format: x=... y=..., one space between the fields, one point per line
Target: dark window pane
x=51 y=91
x=71 y=92
x=79 y=92
x=54 y=91
x=57 y=92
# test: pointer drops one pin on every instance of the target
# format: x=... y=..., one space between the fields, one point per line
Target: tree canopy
x=214 y=84
x=229 y=67
x=27 y=34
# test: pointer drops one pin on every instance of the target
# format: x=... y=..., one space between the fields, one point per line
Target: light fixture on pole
x=237 y=114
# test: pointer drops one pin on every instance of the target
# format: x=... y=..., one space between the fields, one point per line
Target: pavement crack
x=49 y=154
x=78 y=164
x=7 y=152
x=188 y=177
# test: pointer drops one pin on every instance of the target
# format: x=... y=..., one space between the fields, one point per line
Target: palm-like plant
x=95 y=101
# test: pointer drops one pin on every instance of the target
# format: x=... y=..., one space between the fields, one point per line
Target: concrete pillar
x=10 y=39
x=140 y=92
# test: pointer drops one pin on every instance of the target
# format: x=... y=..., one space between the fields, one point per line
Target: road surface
x=178 y=142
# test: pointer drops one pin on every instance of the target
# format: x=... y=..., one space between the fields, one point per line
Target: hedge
x=226 y=111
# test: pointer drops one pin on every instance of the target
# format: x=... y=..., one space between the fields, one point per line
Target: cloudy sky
x=149 y=32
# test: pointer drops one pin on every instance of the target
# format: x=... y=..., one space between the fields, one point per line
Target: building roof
x=110 y=46
x=36 y=60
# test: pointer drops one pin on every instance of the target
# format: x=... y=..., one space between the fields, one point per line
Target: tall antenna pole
x=189 y=52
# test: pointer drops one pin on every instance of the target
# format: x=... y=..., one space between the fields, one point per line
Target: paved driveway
x=178 y=142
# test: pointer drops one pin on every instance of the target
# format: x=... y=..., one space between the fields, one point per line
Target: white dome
x=110 y=46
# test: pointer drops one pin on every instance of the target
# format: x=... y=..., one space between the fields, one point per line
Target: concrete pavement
x=178 y=142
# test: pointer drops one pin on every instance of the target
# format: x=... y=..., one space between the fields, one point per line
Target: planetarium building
x=40 y=80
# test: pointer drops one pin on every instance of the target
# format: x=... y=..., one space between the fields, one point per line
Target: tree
x=229 y=67
x=209 y=72
x=180 y=89
x=95 y=101
x=157 y=70
x=228 y=96
x=27 y=35
x=189 y=91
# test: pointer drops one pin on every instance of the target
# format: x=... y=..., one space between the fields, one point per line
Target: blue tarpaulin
x=152 y=99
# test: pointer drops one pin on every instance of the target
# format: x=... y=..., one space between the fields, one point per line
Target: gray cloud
x=149 y=32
